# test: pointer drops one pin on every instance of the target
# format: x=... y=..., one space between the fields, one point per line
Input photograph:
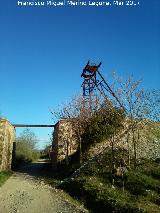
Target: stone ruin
x=7 y=139
x=64 y=141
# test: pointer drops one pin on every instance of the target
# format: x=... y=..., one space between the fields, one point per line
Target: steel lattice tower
x=95 y=87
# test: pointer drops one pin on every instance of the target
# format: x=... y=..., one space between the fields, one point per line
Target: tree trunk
x=134 y=147
x=129 y=157
x=113 y=159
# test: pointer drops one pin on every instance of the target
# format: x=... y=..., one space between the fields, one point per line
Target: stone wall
x=7 y=138
x=64 y=141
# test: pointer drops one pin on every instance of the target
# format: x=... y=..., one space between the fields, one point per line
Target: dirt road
x=24 y=192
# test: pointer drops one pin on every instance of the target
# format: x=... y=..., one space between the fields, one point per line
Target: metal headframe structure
x=94 y=82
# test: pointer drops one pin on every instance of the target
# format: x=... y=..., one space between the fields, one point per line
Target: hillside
x=119 y=174
x=133 y=191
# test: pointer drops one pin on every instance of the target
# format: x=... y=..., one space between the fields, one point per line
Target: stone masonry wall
x=64 y=141
x=7 y=137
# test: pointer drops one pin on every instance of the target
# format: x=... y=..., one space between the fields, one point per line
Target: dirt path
x=23 y=192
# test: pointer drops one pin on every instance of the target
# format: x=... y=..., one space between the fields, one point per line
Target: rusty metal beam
x=31 y=125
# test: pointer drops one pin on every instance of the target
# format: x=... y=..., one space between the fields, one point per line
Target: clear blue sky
x=43 y=51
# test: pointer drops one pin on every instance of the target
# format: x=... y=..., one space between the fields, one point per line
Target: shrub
x=102 y=125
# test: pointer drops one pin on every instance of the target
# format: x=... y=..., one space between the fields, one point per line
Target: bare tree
x=141 y=108
x=90 y=127
x=74 y=112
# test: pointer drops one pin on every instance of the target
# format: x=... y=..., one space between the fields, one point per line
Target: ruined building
x=64 y=141
x=7 y=138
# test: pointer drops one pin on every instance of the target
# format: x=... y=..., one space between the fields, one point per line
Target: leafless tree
x=74 y=112
x=141 y=108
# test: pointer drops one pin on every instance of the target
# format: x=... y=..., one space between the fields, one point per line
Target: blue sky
x=43 y=51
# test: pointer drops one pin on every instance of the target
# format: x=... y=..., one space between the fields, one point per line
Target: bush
x=102 y=125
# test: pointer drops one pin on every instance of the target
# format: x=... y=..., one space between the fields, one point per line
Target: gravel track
x=24 y=193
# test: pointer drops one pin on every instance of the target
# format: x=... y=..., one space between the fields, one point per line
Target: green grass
x=137 y=191
x=138 y=183
x=4 y=176
x=99 y=196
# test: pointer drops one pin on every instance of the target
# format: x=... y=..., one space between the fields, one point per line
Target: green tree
x=104 y=123
x=26 y=146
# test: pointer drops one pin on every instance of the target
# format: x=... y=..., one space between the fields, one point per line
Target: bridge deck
x=32 y=125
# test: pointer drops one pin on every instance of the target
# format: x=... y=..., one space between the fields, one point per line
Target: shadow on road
x=39 y=169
